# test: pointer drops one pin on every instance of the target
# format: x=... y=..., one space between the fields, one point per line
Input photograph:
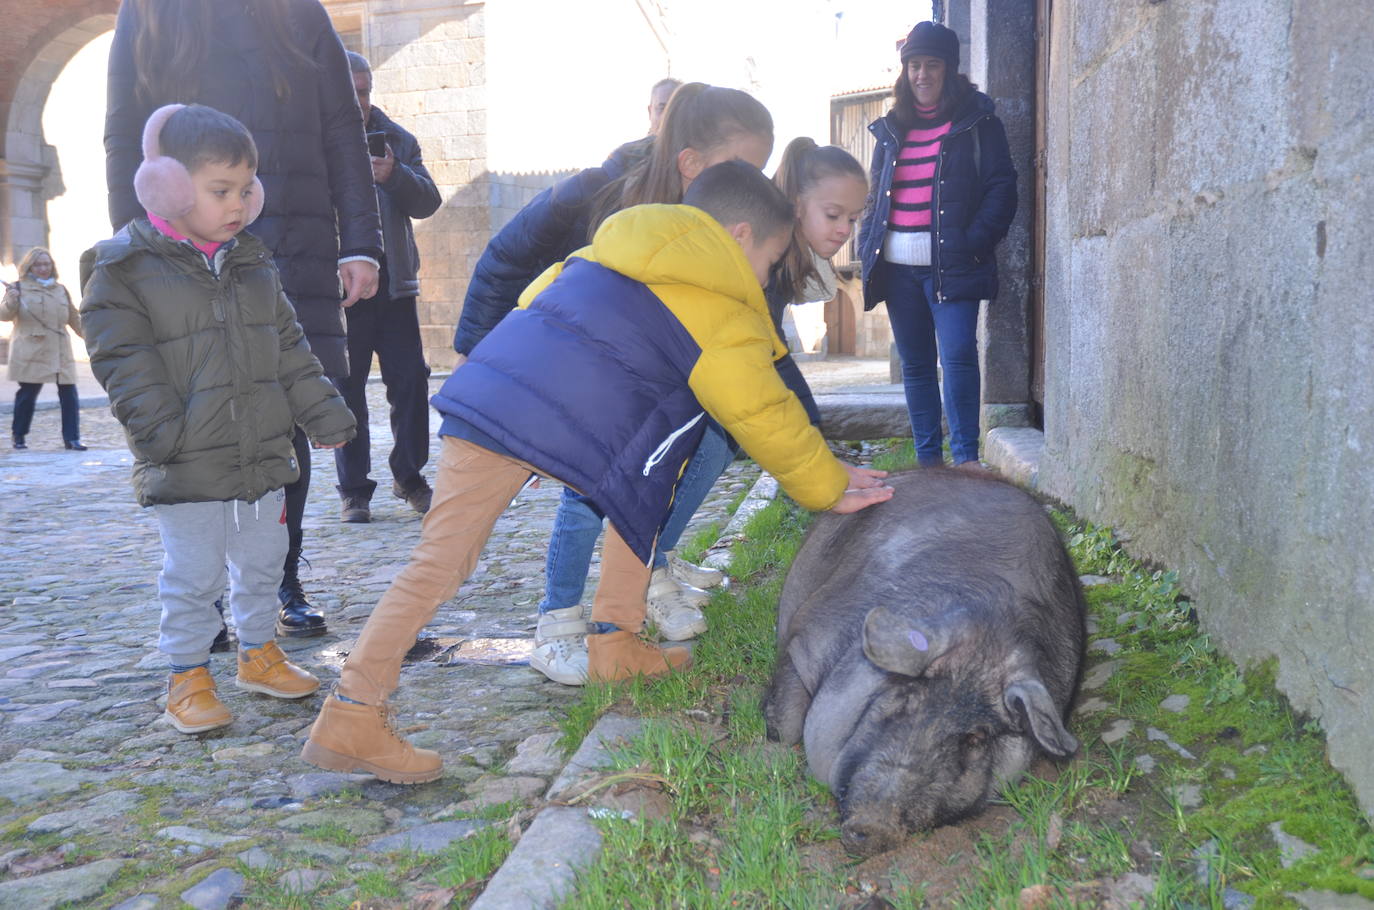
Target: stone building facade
x=1209 y=384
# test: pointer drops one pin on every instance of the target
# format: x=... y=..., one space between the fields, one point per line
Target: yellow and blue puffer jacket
x=604 y=376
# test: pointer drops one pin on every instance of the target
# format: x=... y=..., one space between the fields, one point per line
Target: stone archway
x=44 y=38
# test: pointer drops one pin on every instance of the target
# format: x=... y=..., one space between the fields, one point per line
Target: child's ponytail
x=803 y=165
x=699 y=116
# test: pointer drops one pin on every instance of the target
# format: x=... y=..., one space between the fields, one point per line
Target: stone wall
x=428 y=61
x=1210 y=384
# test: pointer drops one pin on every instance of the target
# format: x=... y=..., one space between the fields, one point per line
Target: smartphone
x=376 y=144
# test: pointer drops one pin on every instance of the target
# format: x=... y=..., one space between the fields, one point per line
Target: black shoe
x=298 y=619
x=417 y=497
x=19 y=443
x=355 y=510
x=75 y=445
x=221 y=642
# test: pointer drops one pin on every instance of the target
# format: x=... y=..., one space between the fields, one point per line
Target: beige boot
x=193 y=706
x=353 y=737
x=267 y=670
x=619 y=655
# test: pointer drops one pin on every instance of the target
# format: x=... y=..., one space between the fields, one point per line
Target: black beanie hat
x=933 y=40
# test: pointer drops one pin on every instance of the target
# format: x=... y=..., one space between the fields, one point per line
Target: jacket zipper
x=663 y=447
x=935 y=207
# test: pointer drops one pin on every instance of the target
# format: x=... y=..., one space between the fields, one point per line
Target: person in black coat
x=943 y=194
x=387 y=324
x=279 y=67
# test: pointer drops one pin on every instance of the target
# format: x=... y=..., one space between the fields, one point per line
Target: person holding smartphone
x=387 y=324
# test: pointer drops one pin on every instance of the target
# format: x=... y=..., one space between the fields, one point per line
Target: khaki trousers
x=472 y=487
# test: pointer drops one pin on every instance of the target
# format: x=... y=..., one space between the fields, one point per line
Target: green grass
x=743 y=812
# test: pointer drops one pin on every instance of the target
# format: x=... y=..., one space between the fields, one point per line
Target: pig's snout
x=869 y=836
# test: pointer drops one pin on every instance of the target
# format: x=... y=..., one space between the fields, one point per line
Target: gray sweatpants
x=197 y=538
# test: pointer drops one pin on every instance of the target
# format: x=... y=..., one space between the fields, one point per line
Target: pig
x=928 y=650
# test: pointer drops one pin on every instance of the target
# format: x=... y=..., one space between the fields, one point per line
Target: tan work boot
x=193 y=706
x=267 y=670
x=618 y=655
x=351 y=737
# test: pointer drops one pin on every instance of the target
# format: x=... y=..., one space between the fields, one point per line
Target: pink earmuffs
x=163 y=185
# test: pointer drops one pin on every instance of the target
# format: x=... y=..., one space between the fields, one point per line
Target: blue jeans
x=578 y=523
x=921 y=327
x=26 y=400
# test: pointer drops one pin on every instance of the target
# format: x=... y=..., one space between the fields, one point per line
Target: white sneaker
x=569 y=621
x=698 y=576
x=675 y=608
x=562 y=659
x=560 y=645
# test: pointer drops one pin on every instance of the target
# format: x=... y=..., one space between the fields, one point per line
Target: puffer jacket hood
x=663 y=247
x=603 y=378
x=207 y=370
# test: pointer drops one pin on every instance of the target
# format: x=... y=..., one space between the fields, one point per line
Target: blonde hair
x=27 y=262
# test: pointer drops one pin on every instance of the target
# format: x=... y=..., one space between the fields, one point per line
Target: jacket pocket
x=663 y=447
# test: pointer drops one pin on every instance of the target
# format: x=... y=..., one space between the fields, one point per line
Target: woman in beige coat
x=40 y=349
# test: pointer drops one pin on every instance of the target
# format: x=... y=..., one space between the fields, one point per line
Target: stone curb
x=563 y=840
x=1015 y=453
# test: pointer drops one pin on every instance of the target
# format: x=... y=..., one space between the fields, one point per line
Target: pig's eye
x=975 y=739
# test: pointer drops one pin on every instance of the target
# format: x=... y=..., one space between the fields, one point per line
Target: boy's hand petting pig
x=862 y=478
x=866 y=488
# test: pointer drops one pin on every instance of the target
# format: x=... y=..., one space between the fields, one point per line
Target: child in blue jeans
x=208 y=371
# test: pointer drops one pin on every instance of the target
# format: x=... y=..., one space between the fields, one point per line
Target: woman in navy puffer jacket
x=943 y=195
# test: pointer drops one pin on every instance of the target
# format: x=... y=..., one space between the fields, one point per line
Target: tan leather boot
x=193 y=706
x=620 y=655
x=267 y=670
x=352 y=737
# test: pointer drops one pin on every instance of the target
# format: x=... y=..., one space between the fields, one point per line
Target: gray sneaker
x=694 y=575
x=675 y=607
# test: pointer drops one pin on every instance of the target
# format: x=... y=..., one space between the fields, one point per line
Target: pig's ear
x=1030 y=696
x=898 y=645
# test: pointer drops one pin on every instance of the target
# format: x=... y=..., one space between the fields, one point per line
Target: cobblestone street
x=103 y=803
x=93 y=780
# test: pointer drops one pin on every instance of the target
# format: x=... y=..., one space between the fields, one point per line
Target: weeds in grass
x=1099 y=817
x=473 y=859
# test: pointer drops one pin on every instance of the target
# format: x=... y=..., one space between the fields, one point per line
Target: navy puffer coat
x=547 y=230
x=971 y=209
x=312 y=154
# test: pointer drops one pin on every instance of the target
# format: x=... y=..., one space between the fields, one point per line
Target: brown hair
x=805 y=164
x=699 y=116
x=733 y=192
x=197 y=135
x=27 y=262
x=172 y=38
x=956 y=90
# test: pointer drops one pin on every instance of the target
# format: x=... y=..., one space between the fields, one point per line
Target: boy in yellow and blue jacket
x=602 y=380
